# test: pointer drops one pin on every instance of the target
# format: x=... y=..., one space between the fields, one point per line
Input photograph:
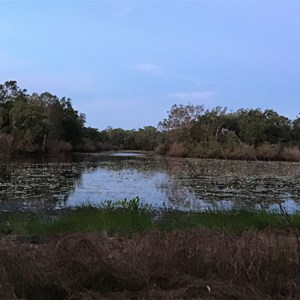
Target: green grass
x=123 y=221
x=235 y=221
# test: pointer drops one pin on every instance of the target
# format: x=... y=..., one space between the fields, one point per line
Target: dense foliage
x=246 y=133
x=45 y=123
x=32 y=123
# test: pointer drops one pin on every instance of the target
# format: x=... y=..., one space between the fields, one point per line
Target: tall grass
x=178 y=150
x=239 y=151
x=185 y=264
x=125 y=221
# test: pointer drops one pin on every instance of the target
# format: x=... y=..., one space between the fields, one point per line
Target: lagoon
x=162 y=182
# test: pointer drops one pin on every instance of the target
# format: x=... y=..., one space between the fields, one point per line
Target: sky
x=125 y=63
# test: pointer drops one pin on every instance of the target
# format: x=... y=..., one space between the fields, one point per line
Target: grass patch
x=234 y=221
x=127 y=221
x=83 y=219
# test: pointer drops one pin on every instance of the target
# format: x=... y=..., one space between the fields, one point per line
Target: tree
x=9 y=91
x=91 y=133
x=295 y=131
x=72 y=122
x=180 y=120
x=252 y=126
x=147 y=138
x=116 y=136
x=29 y=126
x=53 y=112
x=181 y=116
x=277 y=128
x=208 y=125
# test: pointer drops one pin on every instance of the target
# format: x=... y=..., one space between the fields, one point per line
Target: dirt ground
x=186 y=264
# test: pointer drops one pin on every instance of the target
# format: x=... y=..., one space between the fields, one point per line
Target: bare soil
x=186 y=264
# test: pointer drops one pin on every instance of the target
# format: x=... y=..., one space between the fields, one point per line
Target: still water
x=185 y=184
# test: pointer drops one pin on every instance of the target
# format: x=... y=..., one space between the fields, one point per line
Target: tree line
x=33 y=123
x=44 y=123
x=192 y=130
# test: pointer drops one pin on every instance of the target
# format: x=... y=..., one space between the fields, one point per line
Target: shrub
x=162 y=149
x=26 y=144
x=5 y=144
x=290 y=154
x=178 y=150
x=57 y=146
x=267 y=152
x=86 y=146
x=242 y=151
x=103 y=146
x=210 y=149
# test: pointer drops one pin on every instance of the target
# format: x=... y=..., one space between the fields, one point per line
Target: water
x=185 y=184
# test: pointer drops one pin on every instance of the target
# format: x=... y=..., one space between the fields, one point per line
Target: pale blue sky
x=125 y=63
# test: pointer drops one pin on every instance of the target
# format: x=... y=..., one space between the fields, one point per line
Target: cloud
x=147 y=68
x=193 y=96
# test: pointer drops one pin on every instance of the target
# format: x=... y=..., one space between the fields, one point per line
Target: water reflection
x=126 y=154
x=186 y=184
x=109 y=184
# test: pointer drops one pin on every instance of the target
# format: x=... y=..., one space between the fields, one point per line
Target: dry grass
x=162 y=149
x=189 y=264
x=242 y=151
x=178 y=150
x=267 y=152
x=210 y=149
x=239 y=151
x=290 y=154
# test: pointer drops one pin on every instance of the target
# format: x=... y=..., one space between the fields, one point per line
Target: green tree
x=295 y=131
x=277 y=128
x=72 y=122
x=92 y=133
x=116 y=136
x=252 y=126
x=147 y=138
x=208 y=125
x=29 y=126
x=9 y=91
